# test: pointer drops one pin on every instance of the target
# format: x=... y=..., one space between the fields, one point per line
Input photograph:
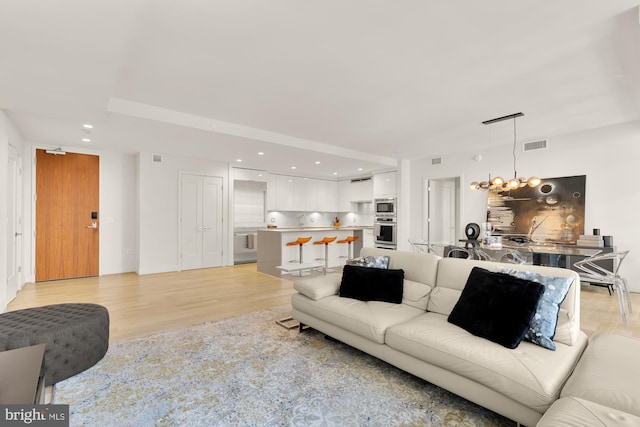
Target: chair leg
x=627 y=294
x=621 y=295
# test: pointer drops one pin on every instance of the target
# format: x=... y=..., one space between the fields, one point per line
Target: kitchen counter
x=273 y=251
x=349 y=228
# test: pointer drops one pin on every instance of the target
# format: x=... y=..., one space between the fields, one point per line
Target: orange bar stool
x=326 y=241
x=299 y=242
x=349 y=240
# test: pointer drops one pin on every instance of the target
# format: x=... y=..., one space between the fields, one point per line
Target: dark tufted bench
x=76 y=336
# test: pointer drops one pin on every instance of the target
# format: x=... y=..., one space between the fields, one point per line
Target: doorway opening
x=441 y=214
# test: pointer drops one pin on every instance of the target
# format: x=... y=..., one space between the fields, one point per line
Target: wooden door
x=67 y=205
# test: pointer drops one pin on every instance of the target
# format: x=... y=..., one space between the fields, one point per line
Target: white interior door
x=14 y=223
x=201 y=221
x=211 y=222
x=441 y=210
x=191 y=221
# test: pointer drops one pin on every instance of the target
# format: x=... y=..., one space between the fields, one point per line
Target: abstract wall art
x=552 y=212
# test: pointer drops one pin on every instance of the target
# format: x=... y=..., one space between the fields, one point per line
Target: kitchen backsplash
x=364 y=217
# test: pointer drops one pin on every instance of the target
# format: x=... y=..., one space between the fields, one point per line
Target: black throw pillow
x=497 y=306
x=372 y=284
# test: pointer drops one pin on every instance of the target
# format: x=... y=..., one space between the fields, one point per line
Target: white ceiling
x=350 y=83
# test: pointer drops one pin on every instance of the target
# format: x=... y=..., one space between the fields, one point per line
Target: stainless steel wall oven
x=384 y=232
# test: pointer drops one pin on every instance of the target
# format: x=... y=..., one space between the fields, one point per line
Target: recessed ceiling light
x=293 y=167
x=335 y=173
x=87 y=126
x=260 y=153
x=317 y=162
x=359 y=169
x=238 y=160
x=86 y=140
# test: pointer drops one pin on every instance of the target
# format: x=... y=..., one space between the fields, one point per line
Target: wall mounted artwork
x=552 y=212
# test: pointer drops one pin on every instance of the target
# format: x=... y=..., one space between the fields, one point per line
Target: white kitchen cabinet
x=385 y=184
x=299 y=194
x=317 y=195
x=272 y=192
x=288 y=193
x=344 y=196
x=331 y=191
x=367 y=238
x=361 y=190
x=285 y=193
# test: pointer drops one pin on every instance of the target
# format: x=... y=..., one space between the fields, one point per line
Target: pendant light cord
x=515 y=172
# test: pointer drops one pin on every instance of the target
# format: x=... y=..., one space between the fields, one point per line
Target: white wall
x=158 y=209
x=607 y=156
x=118 y=213
x=8 y=135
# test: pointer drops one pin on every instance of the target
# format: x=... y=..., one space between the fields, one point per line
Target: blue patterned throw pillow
x=542 y=328
x=370 y=261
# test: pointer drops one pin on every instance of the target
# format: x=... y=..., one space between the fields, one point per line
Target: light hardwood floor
x=140 y=305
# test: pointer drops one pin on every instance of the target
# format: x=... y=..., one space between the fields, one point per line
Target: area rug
x=249 y=371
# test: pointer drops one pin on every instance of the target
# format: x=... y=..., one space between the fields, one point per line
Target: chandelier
x=498 y=183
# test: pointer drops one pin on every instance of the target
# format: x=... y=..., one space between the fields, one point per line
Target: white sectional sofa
x=415 y=335
x=603 y=389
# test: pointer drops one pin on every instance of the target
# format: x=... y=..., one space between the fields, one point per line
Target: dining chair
x=426 y=247
x=419 y=246
x=457 y=252
x=482 y=255
x=512 y=256
x=592 y=272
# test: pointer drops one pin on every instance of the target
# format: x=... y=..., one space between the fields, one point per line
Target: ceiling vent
x=535 y=145
x=156 y=158
x=361 y=179
x=436 y=161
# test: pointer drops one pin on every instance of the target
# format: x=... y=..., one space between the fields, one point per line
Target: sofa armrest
x=318 y=287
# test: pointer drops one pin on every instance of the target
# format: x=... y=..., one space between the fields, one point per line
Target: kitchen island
x=274 y=252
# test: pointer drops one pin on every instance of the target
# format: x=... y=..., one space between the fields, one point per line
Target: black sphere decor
x=472 y=230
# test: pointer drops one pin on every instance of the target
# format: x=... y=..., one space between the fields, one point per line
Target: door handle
x=18 y=234
x=93 y=225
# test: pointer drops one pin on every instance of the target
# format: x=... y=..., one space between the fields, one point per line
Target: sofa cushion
x=368 y=319
x=372 y=284
x=607 y=373
x=452 y=274
x=529 y=374
x=542 y=328
x=420 y=268
x=497 y=306
x=318 y=287
x=416 y=294
x=575 y=412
